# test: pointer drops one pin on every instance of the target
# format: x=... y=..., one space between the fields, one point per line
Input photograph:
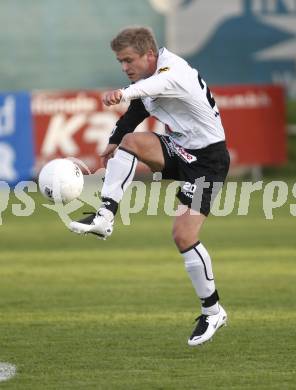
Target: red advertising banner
x=77 y=124
x=254 y=121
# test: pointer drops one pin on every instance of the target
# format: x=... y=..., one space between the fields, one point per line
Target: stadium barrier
x=40 y=126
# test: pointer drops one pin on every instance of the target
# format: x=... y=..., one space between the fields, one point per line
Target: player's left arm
x=164 y=84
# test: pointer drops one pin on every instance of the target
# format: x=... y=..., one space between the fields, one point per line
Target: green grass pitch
x=80 y=313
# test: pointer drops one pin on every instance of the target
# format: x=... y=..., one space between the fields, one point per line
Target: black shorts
x=201 y=172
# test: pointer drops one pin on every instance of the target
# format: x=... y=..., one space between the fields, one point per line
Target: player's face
x=137 y=66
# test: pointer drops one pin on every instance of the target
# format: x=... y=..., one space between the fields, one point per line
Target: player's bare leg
x=147 y=147
x=120 y=172
x=186 y=230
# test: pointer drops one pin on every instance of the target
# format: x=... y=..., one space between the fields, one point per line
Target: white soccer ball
x=61 y=180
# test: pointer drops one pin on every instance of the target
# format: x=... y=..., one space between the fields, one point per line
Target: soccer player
x=193 y=151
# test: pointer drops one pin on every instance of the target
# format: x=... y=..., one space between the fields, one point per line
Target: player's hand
x=112 y=97
x=108 y=153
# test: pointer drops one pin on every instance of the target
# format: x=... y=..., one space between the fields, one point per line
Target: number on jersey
x=210 y=97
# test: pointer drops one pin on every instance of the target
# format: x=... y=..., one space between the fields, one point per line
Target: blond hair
x=141 y=39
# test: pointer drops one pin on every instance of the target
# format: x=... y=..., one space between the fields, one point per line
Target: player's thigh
x=187 y=226
x=147 y=147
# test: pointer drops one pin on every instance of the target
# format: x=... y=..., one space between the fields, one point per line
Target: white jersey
x=178 y=97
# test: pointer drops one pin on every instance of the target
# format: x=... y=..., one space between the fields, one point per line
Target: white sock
x=120 y=172
x=198 y=264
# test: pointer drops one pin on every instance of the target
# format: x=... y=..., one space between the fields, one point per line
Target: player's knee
x=183 y=239
x=129 y=142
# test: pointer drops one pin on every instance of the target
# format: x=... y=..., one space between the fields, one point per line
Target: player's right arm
x=127 y=123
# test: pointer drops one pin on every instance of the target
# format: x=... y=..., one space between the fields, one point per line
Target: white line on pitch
x=7 y=371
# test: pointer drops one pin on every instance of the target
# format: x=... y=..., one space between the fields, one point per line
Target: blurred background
x=56 y=60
